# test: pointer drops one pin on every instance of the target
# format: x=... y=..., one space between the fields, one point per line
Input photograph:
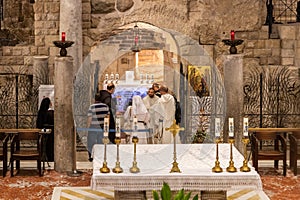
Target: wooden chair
x=3 y=151
x=21 y=152
x=266 y=152
x=294 y=139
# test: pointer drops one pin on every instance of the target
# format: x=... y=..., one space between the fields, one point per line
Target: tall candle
x=232 y=34
x=135 y=121
x=147 y=78
x=63 y=36
x=118 y=128
x=106 y=125
x=217 y=127
x=231 y=127
x=112 y=76
x=141 y=78
x=246 y=124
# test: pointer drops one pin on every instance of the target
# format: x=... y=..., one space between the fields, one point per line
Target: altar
x=155 y=161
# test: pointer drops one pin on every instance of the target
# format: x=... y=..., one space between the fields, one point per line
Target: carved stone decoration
x=124 y=5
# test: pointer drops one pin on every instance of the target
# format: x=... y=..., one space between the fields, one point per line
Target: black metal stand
x=233 y=44
x=63 y=46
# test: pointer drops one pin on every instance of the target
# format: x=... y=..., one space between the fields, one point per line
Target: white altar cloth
x=155 y=162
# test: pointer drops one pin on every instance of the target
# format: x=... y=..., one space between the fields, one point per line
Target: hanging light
x=136 y=38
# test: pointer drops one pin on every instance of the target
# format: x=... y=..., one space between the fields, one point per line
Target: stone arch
x=185 y=50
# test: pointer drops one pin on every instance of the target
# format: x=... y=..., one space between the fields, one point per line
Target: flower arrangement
x=199 y=136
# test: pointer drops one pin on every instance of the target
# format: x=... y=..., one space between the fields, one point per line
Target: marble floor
x=28 y=185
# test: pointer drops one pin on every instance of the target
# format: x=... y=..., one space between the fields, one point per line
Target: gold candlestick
x=217 y=167
x=104 y=168
x=117 y=168
x=231 y=167
x=174 y=129
x=245 y=167
x=134 y=168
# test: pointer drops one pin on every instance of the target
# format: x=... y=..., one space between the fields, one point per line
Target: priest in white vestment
x=163 y=114
x=150 y=99
x=138 y=110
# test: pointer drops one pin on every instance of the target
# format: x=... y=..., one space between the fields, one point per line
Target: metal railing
x=286 y=11
x=282 y=12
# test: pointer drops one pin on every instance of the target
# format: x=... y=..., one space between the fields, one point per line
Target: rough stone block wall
x=47 y=29
x=207 y=22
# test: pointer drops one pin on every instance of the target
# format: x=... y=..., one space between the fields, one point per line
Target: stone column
x=40 y=70
x=64 y=136
x=297 y=47
x=71 y=24
x=233 y=82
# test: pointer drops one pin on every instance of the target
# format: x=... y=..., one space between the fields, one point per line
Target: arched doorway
x=170 y=58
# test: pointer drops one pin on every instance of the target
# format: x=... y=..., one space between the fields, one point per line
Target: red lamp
x=63 y=36
x=232 y=34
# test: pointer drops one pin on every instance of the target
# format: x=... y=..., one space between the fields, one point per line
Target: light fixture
x=136 y=38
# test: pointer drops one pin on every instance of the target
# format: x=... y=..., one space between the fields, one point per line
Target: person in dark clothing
x=106 y=98
x=45 y=119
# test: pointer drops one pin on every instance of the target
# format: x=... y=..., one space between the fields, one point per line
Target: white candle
x=135 y=121
x=147 y=78
x=112 y=76
x=217 y=127
x=106 y=125
x=246 y=124
x=118 y=128
x=231 y=127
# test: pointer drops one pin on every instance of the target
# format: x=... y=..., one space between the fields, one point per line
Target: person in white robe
x=163 y=114
x=139 y=111
x=150 y=99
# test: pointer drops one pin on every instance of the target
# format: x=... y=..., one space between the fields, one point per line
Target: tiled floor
x=28 y=185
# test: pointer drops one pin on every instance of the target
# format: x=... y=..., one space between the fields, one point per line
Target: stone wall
x=203 y=20
x=207 y=22
x=18 y=18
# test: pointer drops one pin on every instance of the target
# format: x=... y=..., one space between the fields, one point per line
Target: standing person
x=138 y=110
x=106 y=98
x=45 y=119
x=96 y=114
x=150 y=99
x=165 y=110
x=156 y=86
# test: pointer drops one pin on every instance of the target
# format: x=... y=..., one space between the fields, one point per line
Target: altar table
x=155 y=162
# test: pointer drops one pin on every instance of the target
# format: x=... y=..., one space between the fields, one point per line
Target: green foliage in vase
x=200 y=134
x=203 y=124
x=166 y=194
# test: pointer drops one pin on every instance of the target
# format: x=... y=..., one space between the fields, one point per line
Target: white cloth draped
x=164 y=110
x=148 y=101
x=138 y=110
x=155 y=162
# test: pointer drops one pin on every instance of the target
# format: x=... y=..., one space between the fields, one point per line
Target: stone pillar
x=71 y=24
x=233 y=82
x=297 y=46
x=40 y=70
x=64 y=136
